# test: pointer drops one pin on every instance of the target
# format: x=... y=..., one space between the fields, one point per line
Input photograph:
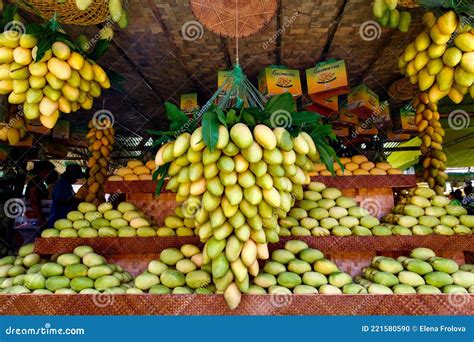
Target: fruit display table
x=350 y=253
x=145 y=304
x=374 y=193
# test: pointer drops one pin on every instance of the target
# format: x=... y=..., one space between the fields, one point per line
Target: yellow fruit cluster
x=101 y=143
x=356 y=166
x=234 y=194
x=438 y=67
x=14 y=131
x=386 y=13
x=431 y=133
x=135 y=170
x=62 y=81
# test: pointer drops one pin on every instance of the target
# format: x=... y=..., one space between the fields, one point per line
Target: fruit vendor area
x=157 y=159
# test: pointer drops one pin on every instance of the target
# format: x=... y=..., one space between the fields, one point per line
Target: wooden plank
x=327 y=244
x=145 y=304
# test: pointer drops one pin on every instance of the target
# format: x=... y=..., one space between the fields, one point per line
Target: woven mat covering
x=67 y=11
x=327 y=244
x=342 y=182
x=219 y=16
x=349 y=182
x=251 y=305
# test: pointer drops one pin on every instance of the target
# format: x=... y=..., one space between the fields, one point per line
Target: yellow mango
x=465 y=41
x=436 y=51
x=49 y=121
x=448 y=22
x=467 y=61
x=445 y=78
x=462 y=77
x=452 y=56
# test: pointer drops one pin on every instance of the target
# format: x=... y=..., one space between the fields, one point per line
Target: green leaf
x=210 y=129
x=221 y=116
x=231 y=117
x=280 y=102
x=8 y=14
x=35 y=30
x=326 y=157
x=248 y=119
x=174 y=114
x=43 y=46
x=54 y=24
x=99 y=49
x=300 y=118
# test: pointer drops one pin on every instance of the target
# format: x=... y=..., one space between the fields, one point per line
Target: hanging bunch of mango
x=441 y=61
x=237 y=172
x=45 y=72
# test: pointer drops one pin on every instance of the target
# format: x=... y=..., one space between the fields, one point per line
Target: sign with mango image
x=273 y=81
x=329 y=77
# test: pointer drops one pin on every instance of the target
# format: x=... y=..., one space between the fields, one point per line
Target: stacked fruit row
x=101 y=138
x=235 y=191
x=356 y=166
x=135 y=170
x=178 y=271
x=90 y=221
x=299 y=269
x=60 y=81
x=386 y=13
x=426 y=213
x=82 y=271
x=423 y=272
x=325 y=211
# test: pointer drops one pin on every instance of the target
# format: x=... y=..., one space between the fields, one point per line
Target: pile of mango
x=422 y=272
x=357 y=165
x=90 y=221
x=426 y=213
x=82 y=271
x=179 y=271
x=236 y=191
x=62 y=81
x=135 y=170
x=325 y=211
x=386 y=13
x=101 y=138
x=441 y=59
x=300 y=269
x=13 y=131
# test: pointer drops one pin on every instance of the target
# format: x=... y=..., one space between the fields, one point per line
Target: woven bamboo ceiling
x=159 y=64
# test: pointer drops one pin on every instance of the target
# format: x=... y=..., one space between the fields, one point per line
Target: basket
x=67 y=11
x=219 y=16
x=408 y=3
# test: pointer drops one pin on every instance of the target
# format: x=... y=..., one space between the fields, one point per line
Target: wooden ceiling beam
x=332 y=30
x=176 y=51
